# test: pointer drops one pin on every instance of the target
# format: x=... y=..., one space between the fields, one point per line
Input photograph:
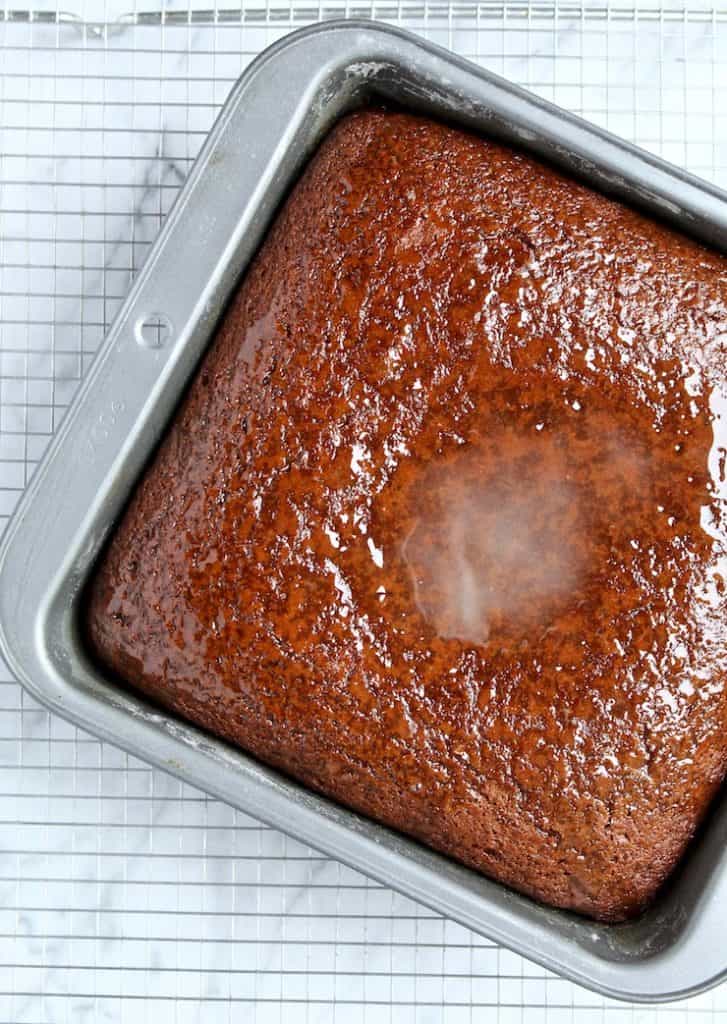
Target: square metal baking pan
x=274 y=119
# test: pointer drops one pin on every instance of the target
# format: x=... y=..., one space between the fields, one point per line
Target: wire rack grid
x=124 y=894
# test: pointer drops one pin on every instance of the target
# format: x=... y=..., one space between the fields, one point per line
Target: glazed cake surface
x=440 y=527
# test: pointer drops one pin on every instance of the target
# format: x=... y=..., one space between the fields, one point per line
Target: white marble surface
x=124 y=895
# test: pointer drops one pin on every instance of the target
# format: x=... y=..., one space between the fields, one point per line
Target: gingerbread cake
x=440 y=528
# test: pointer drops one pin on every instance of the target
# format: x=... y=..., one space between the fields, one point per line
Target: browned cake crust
x=440 y=527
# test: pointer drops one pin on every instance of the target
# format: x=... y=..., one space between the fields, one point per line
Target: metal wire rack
x=125 y=895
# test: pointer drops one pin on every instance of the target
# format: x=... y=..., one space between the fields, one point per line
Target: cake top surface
x=441 y=527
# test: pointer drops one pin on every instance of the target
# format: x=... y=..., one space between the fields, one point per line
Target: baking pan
x=274 y=119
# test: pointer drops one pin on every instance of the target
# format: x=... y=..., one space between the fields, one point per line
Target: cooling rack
x=124 y=894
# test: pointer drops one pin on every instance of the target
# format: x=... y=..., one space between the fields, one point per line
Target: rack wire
x=124 y=894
